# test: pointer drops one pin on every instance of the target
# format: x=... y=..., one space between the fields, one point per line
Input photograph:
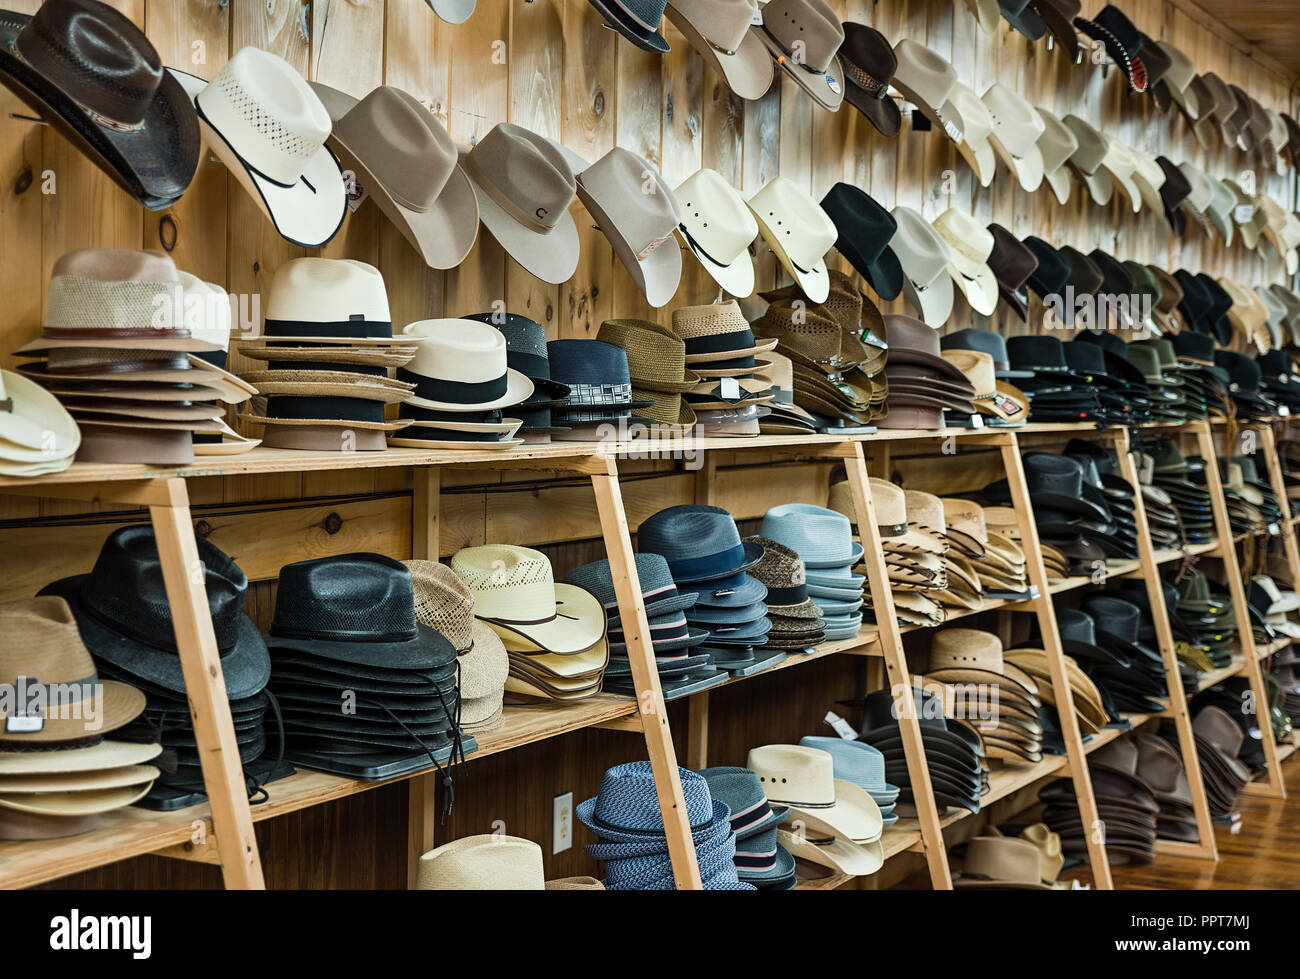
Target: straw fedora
x=269 y=128
x=969 y=247
x=719 y=335
x=524 y=184
x=460 y=366
x=1016 y=128
x=799 y=232
x=803 y=780
x=720 y=31
x=516 y=594
x=403 y=159
x=923 y=255
x=718 y=228
x=86 y=802
x=482 y=863
x=803 y=37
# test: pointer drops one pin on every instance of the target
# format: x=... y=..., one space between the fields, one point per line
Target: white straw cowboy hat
x=803 y=779
x=839 y=855
x=1016 y=128
x=1121 y=164
x=969 y=248
x=719 y=31
x=924 y=258
x=461 y=366
x=799 y=232
x=269 y=128
x=1086 y=159
x=1219 y=213
x=37 y=435
x=974 y=145
x=1056 y=144
x=525 y=184
x=1149 y=177
x=482 y=863
x=406 y=162
x=515 y=592
x=804 y=37
x=204 y=309
x=637 y=212
x=718 y=227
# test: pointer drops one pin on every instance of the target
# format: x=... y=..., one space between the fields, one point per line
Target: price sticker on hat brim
x=729 y=388
x=841 y=727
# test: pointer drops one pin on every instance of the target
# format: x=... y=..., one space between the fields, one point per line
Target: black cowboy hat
x=865 y=229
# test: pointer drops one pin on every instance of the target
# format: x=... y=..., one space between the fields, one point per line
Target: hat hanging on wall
x=799 y=233
x=719 y=31
x=803 y=37
x=452 y=11
x=636 y=20
x=923 y=255
x=974 y=145
x=269 y=128
x=869 y=63
x=865 y=229
x=926 y=79
x=969 y=248
x=97 y=80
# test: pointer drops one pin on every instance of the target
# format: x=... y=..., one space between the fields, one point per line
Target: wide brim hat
x=853 y=815
x=815 y=281
x=310 y=212
x=933 y=301
x=36 y=427
x=97 y=757
x=825 y=88
x=117 y=704
x=646 y=38
x=443 y=234
x=154 y=162
x=748 y=71
x=79 y=803
x=578 y=625
x=976 y=281
x=841 y=856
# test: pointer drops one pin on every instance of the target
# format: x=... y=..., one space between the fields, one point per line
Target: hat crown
x=96 y=55
x=977 y=366
x=964 y=235
x=1036 y=353
x=780 y=567
x=1200 y=192
x=859 y=219
x=807 y=31
x=923 y=72
x=890 y=503
x=1114 y=616
x=1076 y=626
x=688 y=530
x=457 y=350
x=654 y=353
x=627 y=799
x=925 y=510
x=904 y=333
x=651 y=571
x=802 y=329
x=42 y=644
x=920 y=249
x=1052 y=474
x=977 y=124
x=442 y=602
x=715 y=216
x=485 y=862
x=1015 y=123
x=814 y=533
x=965 y=516
x=740 y=791
x=507 y=582
x=525 y=174
x=308 y=292
x=205 y=310
x=801 y=228
x=348 y=598
x=868 y=58
x=408 y=150
x=1057 y=142
x=978 y=340
x=852 y=761
x=722 y=23
x=113 y=291
x=794 y=775
x=267 y=112
x=1003 y=859
x=634 y=197
x=588 y=362
x=1091 y=148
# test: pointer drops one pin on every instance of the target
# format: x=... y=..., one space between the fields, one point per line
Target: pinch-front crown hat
x=658 y=591
x=799 y=232
x=803 y=779
x=742 y=793
x=638 y=213
x=869 y=62
x=406 y=161
x=974 y=145
x=969 y=247
x=803 y=37
x=482 y=863
x=865 y=230
x=515 y=592
x=926 y=79
x=1012 y=262
x=1056 y=144
x=269 y=128
x=923 y=255
x=719 y=31
x=1001 y=863
x=717 y=332
x=524 y=185
x=1016 y=128
x=821 y=536
x=460 y=365
x=718 y=227
x=94 y=76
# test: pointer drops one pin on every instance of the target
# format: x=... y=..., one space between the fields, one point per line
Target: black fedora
x=1056 y=484
x=124 y=618
x=985 y=341
x=865 y=229
x=1216 y=317
x=1052 y=274
x=355 y=608
x=94 y=76
x=1079 y=638
x=869 y=65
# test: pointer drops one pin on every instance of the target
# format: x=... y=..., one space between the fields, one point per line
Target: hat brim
x=82 y=803
x=96 y=757
x=1028 y=169
x=825 y=88
x=1059 y=181
x=646 y=40
x=34 y=416
x=976 y=281
x=981 y=158
x=748 y=71
x=933 y=301
x=815 y=282
x=737 y=279
x=551 y=257
x=579 y=624
x=658 y=274
x=840 y=855
x=883 y=113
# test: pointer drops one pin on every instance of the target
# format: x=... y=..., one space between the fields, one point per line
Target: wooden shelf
x=1207 y=680
x=1276 y=646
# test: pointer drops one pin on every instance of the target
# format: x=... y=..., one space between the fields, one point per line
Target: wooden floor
x=1263 y=854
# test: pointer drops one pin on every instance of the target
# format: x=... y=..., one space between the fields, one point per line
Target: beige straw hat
x=482 y=863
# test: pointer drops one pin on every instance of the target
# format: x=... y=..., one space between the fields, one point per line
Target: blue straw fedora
x=707 y=616
x=700 y=543
x=735 y=591
x=667 y=666
x=760 y=859
x=658 y=590
x=822 y=537
x=626 y=809
x=855 y=761
x=668 y=633
x=743 y=794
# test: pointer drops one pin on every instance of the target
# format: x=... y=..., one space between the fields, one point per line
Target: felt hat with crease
x=719 y=31
x=798 y=231
x=924 y=257
x=718 y=228
x=1056 y=144
x=865 y=230
x=1086 y=160
x=1016 y=128
x=969 y=247
x=869 y=63
x=974 y=145
x=926 y=79
x=803 y=37
x=1121 y=164
x=803 y=780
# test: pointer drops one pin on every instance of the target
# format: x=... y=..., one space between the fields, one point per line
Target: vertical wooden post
x=891 y=648
x=205 y=688
x=645 y=675
x=1074 y=753
x=422 y=791
x=1268 y=448
x=1275 y=787
x=697 y=731
x=1205 y=846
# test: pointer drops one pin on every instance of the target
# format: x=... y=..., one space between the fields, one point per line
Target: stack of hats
x=683 y=666
x=445 y=605
x=863 y=765
x=1103 y=361
x=968 y=537
x=491 y=862
x=1269 y=607
x=554 y=632
x=1102 y=484
x=1288 y=680
x=787 y=416
x=600 y=391
x=1133 y=673
x=999 y=404
x=526 y=353
x=832 y=822
x=1029 y=862
x=1245 y=381
x=625 y=818
x=1165 y=385
x=954 y=750
x=656 y=358
x=706 y=556
x=1089 y=710
x=823 y=539
x=208 y=317
x=760 y=859
x=797 y=623
x=328 y=344
x=1259 y=504
x=34 y=419
x=1160 y=766
x=1206 y=613
x=1056 y=392
x=120 y=357
x=1279 y=380
x=968 y=673
x=59 y=772
x=1179 y=478
x=1125 y=804
x=122 y=612
x=922 y=384
x=733 y=390
x=1218 y=742
x=1003 y=570
x=1235 y=697
x=345 y=632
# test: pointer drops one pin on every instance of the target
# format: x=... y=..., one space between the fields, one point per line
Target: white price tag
x=1274 y=530
x=1243 y=213
x=1283 y=411
x=730 y=389
x=842 y=727
x=976 y=421
x=24 y=724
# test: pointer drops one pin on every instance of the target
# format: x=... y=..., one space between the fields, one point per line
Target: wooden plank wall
x=560 y=72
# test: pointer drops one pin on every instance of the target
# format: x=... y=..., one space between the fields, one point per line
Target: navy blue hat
x=598 y=377
x=636 y=20
x=525 y=352
x=700 y=543
x=865 y=229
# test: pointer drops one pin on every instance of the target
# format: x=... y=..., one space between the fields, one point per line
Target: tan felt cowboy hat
x=969 y=247
x=1001 y=863
x=718 y=228
x=269 y=128
x=924 y=258
x=58 y=696
x=926 y=79
x=637 y=212
x=803 y=37
x=403 y=159
x=525 y=184
x=34 y=427
x=992 y=397
x=1016 y=128
x=516 y=594
x=799 y=232
x=803 y=779
x=482 y=863
x=974 y=146
x=720 y=31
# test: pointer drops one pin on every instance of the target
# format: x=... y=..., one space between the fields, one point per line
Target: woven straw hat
x=717 y=332
x=442 y=602
x=804 y=780
x=786 y=578
x=482 y=863
x=965 y=525
x=101 y=755
x=656 y=356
